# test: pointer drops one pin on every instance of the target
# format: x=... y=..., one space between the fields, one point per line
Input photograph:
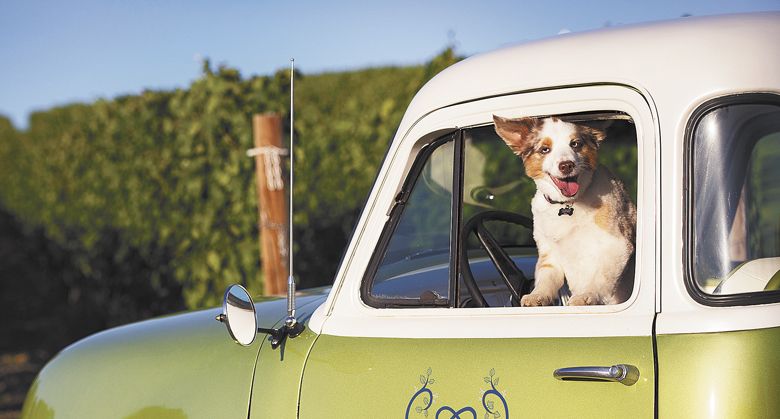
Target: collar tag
x=568 y=209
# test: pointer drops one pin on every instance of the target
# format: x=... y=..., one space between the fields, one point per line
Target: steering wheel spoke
x=513 y=277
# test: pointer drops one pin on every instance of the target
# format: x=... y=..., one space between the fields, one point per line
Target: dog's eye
x=544 y=150
x=575 y=144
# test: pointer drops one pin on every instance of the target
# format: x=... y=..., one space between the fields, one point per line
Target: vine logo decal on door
x=422 y=400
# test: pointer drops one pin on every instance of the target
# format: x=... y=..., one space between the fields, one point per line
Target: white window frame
x=345 y=314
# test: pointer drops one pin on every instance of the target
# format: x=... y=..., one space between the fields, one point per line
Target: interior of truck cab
x=462 y=233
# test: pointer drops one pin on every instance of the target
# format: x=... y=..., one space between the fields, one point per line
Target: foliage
x=154 y=191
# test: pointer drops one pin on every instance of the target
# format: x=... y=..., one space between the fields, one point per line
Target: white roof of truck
x=673 y=62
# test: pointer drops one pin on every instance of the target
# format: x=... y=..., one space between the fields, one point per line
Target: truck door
x=427 y=322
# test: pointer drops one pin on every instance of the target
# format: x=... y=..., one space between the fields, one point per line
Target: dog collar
x=568 y=209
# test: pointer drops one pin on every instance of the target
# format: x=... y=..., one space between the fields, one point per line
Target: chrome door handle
x=621 y=373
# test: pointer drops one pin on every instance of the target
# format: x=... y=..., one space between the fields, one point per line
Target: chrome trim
x=621 y=373
x=225 y=319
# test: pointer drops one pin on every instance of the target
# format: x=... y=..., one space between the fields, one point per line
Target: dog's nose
x=566 y=167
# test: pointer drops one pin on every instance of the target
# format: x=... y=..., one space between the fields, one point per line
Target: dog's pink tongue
x=568 y=188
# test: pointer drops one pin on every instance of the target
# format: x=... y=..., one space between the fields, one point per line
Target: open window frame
x=456 y=285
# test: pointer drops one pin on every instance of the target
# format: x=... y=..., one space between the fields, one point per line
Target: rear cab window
x=734 y=201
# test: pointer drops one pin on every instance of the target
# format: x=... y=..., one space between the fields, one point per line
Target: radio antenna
x=291 y=322
x=291 y=327
x=292 y=163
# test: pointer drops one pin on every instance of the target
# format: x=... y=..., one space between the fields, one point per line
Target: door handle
x=622 y=373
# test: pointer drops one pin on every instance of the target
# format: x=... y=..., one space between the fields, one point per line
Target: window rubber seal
x=701 y=297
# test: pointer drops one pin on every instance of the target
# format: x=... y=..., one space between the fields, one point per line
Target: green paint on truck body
x=378 y=377
x=719 y=375
x=186 y=366
x=181 y=366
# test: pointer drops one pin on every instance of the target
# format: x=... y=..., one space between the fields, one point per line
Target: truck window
x=497 y=188
x=464 y=236
x=735 y=203
x=414 y=268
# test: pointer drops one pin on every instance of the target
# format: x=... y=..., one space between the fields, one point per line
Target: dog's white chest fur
x=586 y=245
x=559 y=229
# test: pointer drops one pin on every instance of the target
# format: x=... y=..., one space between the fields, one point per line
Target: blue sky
x=58 y=52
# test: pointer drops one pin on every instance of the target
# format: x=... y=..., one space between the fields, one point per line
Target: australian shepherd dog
x=584 y=220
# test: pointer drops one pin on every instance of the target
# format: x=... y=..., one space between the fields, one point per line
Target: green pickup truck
x=425 y=318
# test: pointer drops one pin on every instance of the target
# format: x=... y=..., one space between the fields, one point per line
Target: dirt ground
x=17 y=372
x=32 y=330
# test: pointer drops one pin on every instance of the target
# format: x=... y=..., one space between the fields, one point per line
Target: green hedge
x=154 y=191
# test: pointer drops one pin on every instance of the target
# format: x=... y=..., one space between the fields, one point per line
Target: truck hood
x=184 y=365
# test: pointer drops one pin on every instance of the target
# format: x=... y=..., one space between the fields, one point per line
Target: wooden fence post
x=272 y=207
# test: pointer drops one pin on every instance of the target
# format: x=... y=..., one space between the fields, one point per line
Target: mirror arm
x=291 y=329
x=277 y=335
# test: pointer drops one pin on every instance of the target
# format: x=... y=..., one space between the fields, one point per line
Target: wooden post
x=272 y=207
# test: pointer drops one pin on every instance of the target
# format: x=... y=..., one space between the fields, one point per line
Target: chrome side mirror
x=238 y=315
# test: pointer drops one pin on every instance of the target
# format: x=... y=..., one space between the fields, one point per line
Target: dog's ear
x=516 y=133
x=593 y=134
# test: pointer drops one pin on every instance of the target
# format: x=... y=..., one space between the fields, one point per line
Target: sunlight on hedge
x=155 y=191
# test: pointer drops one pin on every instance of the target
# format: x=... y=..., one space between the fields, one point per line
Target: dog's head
x=559 y=156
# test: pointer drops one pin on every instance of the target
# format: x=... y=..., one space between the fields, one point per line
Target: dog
x=584 y=220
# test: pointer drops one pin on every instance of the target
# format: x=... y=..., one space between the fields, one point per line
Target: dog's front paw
x=535 y=300
x=584 y=300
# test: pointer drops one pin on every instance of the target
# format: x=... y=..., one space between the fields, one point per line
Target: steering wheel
x=513 y=277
